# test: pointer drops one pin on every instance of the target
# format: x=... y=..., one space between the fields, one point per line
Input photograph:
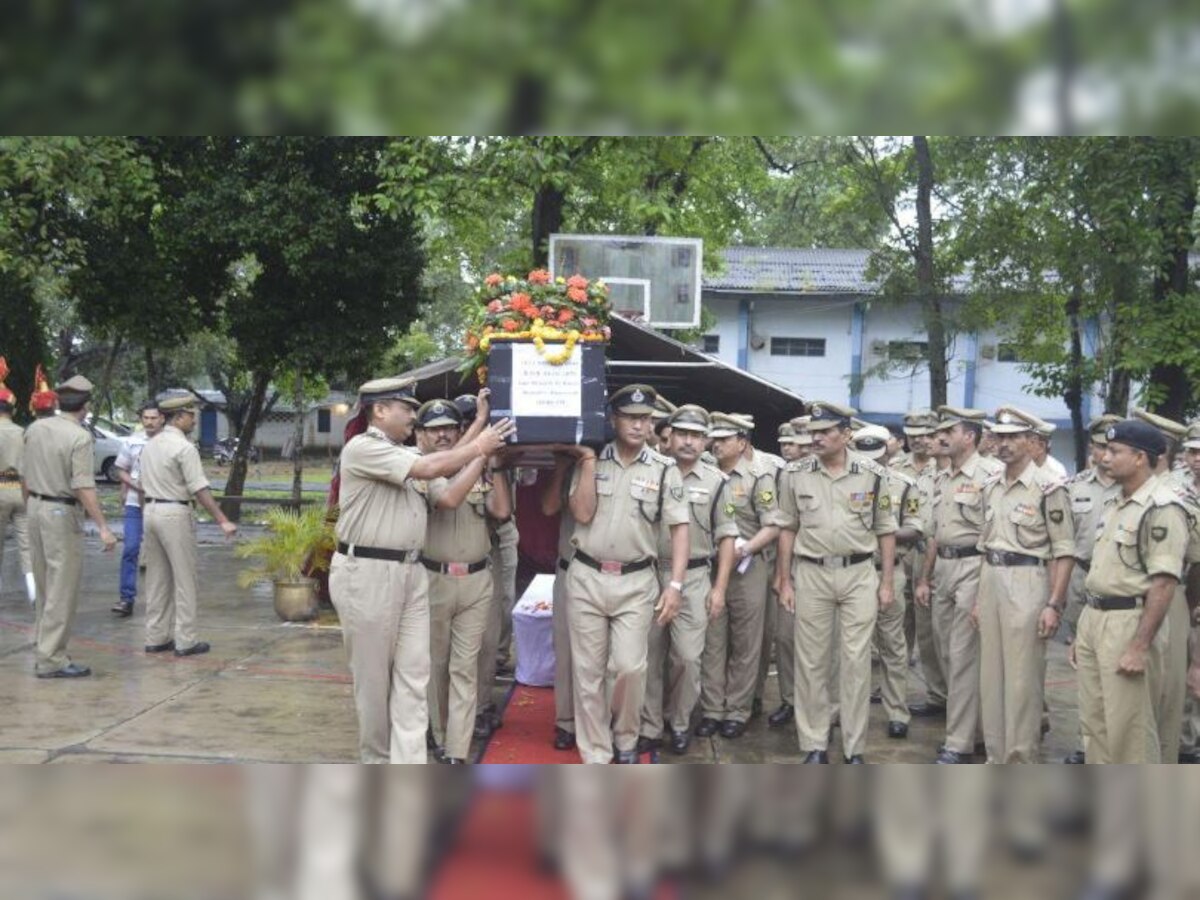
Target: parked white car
x=107 y=445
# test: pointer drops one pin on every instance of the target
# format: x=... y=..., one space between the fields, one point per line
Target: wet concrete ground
x=275 y=692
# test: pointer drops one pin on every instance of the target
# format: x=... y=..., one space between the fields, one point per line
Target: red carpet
x=528 y=732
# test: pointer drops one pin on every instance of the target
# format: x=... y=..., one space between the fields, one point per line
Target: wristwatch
x=678 y=585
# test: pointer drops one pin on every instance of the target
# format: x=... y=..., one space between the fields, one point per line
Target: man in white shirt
x=129 y=470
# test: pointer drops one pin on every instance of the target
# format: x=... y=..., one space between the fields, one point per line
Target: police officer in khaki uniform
x=171 y=476
x=734 y=641
x=618 y=501
x=57 y=481
x=1190 y=487
x=1137 y=562
x=554 y=502
x=457 y=553
x=838 y=513
x=950 y=580
x=920 y=430
x=376 y=582
x=1042 y=434
x=12 y=504
x=1028 y=541
x=890 y=642
x=676 y=649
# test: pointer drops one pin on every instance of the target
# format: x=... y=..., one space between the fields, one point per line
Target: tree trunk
x=1073 y=395
x=237 y=471
x=1125 y=290
x=104 y=389
x=153 y=375
x=927 y=293
x=298 y=440
x=546 y=219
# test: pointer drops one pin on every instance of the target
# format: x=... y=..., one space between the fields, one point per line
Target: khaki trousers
x=1190 y=738
x=850 y=595
x=771 y=635
x=12 y=516
x=1116 y=712
x=170 y=543
x=956 y=587
x=1173 y=681
x=56 y=550
x=609 y=618
x=733 y=645
x=384 y=610
x=564 y=682
x=779 y=631
x=1011 y=659
x=674 y=655
x=893 y=654
x=497 y=638
x=1075 y=604
x=933 y=659
x=459 y=609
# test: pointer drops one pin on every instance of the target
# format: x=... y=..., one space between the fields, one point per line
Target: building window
x=1010 y=353
x=570 y=261
x=797 y=346
x=712 y=343
x=681 y=257
x=323 y=421
x=683 y=293
x=907 y=351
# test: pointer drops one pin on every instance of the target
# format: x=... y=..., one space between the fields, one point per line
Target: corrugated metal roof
x=798 y=271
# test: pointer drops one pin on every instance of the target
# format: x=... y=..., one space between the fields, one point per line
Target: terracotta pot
x=296 y=601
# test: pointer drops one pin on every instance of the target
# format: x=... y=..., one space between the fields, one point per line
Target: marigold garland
x=540 y=309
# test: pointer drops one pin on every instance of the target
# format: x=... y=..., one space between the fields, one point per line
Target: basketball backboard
x=661 y=275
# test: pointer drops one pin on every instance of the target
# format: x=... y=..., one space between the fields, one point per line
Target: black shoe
x=504 y=670
x=454 y=761
x=855 y=760
x=816 y=756
x=732 y=730
x=194 y=650
x=487 y=724
x=563 y=739
x=981 y=750
x=160 y=648
x=1188 y=758
x=626 y=758
x=70 y=670
x=756 y=707
x=928 y=711
x=439 y=755
x=782 y=716
x=680 y=742
x=876 y=697
x=707 y=728
x=948 y=757
x=1075 y=758
x=122 y=609
x=648 y=744
x=898 y=730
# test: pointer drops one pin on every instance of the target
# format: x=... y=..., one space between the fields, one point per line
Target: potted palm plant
x=292 y=542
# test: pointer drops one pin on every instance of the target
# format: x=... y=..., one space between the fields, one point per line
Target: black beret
x=1139 y=435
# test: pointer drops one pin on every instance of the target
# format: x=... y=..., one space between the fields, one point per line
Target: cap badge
x=1111 y=434
x=1005 y=418
x=637 y=397
x=438 y=409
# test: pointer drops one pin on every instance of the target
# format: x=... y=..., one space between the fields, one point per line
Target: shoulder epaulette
x=655 y=456
x=869 y=465
x=706 y=466
x=808 y=464
x=902 y=477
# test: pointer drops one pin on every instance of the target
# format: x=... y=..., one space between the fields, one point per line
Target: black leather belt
x=454 y=568
x=160 y=500
x=563 y=564
x=949 y=552
x=1008 y=558
x=613 y=568
x=355 y=550
x=69 y=501
x=1085 y=564
x=838 y=562
x=10 y=479
x=1107 y=604
x=698 y=563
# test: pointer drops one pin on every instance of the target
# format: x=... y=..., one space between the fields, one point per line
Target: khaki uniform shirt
x=58 y=457
x=12 y=448
x=908 y=502
x=836 y=516
x=957 y=508
x=380 y=505
x=1053 y=469
x=630 y=502
x=170 y=467
x=1088 y=495
x=1186 y=490
x=1032 y=515
x=1141 y=536
x=704 y=489
x=753 y=498
x=458 y=535
x=925 y=477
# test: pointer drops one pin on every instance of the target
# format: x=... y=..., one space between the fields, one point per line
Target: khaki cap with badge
x=919 y=422
x=724 y=425
x=1010 y=420
x=389 y=389
x=824 y=415
x=181 y=401
x=871 y=441
x=438 y=414
x=76 y=384
x=1098 y=428
x=787 y=434
x=949 y=416
x=690 y=417
x=1192 y=441
x=1044 y=428
x=1173 y=431
x=800 y=425
x=634 y=400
